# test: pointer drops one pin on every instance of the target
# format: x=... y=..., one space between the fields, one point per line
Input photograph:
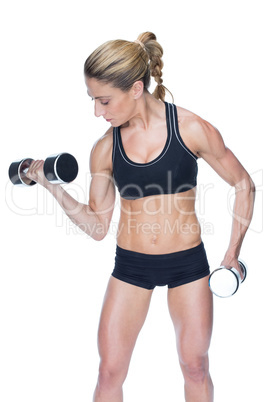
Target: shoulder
x=101 y=153
x=200 y=135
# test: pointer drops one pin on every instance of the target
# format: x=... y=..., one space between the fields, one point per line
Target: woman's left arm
x=210 y=146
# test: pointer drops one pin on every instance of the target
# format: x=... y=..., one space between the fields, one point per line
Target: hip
x=150 y=270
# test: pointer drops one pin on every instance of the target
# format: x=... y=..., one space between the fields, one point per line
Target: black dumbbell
x=60 y=168
x=224 y=282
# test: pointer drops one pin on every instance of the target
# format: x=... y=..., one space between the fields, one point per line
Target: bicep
x=219 y=157
x=227 y=166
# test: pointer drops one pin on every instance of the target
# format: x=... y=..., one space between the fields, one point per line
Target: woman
x=150 y=152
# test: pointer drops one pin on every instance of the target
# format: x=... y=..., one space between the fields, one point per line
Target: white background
x=53 y=277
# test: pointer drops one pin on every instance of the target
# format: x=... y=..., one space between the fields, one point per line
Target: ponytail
x=155 y=53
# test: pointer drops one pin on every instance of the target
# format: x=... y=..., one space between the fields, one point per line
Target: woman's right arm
x=93 y=218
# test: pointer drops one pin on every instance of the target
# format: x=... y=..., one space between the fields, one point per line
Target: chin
x=116 y=123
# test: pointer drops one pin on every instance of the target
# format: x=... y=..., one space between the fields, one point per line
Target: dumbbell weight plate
x=61 y=168
x=243 y=266
x=17 y=172
x=223 y=282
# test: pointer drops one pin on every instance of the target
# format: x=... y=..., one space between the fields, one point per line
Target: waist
x=165 y=223
x=161 y=256
x=161 y=236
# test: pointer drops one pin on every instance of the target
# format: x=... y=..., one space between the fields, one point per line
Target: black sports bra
x=173 y=171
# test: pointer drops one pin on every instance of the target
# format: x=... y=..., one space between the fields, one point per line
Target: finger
x=33 y=171
x=39 y=165
x=35 y=166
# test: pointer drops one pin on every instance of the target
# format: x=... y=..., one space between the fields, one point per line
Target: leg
x=191 y=310
x=123 y=314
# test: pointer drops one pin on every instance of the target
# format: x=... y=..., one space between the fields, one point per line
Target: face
x=114 y=105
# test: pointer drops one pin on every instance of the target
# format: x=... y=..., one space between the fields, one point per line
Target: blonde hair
x=122 y=63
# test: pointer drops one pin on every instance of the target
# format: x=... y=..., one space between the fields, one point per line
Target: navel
x=154 y=239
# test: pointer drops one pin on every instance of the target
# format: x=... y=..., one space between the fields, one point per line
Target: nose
x=99 y=110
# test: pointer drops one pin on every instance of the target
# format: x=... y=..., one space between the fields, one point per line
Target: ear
x=137 y=89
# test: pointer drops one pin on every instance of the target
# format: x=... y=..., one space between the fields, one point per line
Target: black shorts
x=150 y=270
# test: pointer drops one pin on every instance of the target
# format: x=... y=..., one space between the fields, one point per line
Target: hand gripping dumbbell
x=60 y=168
x=224 y=282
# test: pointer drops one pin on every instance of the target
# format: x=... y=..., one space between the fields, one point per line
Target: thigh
x=124 y=311
x=191 y=310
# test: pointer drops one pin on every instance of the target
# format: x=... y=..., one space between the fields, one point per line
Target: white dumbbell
x=224 y=282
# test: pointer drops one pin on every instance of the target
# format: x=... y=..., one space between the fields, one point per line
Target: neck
x=148 y=110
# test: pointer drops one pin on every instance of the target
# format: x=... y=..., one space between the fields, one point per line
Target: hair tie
x=140 y=43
